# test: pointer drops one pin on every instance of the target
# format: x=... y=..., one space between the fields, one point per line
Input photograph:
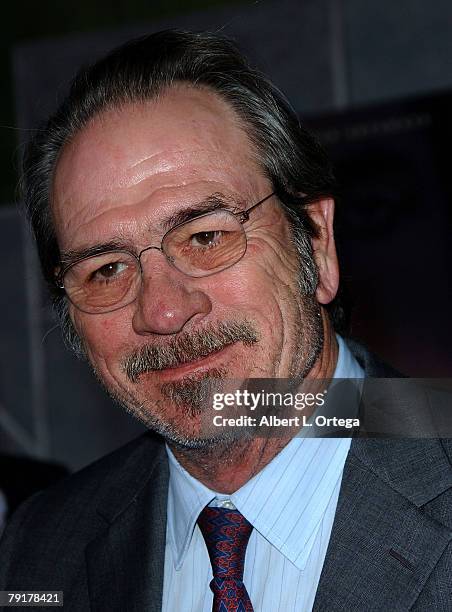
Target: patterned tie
x=226 y=533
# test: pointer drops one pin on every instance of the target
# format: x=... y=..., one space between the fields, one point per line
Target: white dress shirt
x=291 y=504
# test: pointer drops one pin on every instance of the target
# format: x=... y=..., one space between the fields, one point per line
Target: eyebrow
x=71 y=256
x=210 y=204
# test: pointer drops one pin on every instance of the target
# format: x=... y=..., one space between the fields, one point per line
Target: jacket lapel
x=383 y=545
x=125 y=562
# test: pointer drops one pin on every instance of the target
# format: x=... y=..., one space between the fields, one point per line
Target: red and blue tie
x=226 y=533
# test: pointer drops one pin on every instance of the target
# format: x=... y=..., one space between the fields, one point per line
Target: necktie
x=226 y=533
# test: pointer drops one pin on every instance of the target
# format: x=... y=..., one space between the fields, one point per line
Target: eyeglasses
x=205 y=245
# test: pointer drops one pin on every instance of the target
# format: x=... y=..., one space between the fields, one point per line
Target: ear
x=324 y=249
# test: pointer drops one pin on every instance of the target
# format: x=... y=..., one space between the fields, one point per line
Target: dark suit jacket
x=99 y=536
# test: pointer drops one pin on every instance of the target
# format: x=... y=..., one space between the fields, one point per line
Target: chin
x=183 y=429
x=182 y=411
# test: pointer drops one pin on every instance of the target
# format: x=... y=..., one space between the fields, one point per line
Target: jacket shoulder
x=372 y=365
x=55 y=525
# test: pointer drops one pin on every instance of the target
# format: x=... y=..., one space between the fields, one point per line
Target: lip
x=197 y=365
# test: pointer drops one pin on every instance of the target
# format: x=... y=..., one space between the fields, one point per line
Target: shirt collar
x=346 y=366
x=282 y=502
x=186 y=498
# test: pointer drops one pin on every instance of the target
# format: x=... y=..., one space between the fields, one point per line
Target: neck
x=227 y=467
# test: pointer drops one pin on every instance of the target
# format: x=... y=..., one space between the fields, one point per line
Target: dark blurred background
x=370 y=78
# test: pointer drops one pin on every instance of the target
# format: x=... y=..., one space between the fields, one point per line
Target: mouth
x=200 y=364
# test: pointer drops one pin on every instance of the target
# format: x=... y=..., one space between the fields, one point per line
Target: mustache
x=188 y=347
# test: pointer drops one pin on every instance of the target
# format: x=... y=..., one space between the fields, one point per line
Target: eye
x=109 y=271
x=206 y=239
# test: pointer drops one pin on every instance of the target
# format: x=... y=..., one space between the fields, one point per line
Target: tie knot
x=226 y=533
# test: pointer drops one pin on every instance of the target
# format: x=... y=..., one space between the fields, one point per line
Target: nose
x=167 y=301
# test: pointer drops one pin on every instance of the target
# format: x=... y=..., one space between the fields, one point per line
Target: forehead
x=186 y=144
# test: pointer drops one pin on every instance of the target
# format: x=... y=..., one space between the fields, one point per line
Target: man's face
x=120 y=179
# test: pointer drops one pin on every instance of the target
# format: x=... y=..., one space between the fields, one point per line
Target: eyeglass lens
x=202 y=246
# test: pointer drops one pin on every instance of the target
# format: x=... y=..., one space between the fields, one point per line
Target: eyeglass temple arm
x=244 y=215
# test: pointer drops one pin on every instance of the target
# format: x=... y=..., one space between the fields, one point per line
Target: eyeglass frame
x=242 y=216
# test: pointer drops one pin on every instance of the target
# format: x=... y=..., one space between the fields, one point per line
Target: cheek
x=258 y=294
x=268 y=272
x=105 y=336
x=266 y=289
